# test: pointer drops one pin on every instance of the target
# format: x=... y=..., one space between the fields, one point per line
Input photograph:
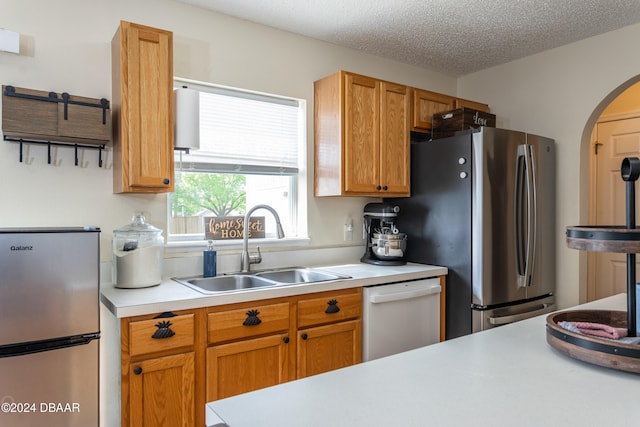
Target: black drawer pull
x=252 y=318
x=164 y=330
x=304 y=336
x=333 y=307
x=137 y=370
x=286 y=340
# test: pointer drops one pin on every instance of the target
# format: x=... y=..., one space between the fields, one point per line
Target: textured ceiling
x=455 y=37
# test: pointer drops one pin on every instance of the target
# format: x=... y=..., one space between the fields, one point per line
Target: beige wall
x=560 y=93
x=65 y=47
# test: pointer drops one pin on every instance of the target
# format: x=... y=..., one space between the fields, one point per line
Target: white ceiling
x=455 y=37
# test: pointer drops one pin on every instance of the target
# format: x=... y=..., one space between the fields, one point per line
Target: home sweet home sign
x=231 y=227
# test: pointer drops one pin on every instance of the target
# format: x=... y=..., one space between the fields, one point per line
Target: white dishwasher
x=400 y=316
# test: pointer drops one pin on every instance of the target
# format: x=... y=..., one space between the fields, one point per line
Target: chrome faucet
x=246 y=259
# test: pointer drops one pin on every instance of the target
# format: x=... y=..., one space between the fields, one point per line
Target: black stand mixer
x=385 y=245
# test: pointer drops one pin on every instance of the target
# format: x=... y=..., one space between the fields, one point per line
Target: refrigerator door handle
x=525 y=214
x=503 y=320
x=520 y=241
x=533 y=213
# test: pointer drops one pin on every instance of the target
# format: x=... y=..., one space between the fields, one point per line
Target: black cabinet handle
x=164 y=330
x=304 y=336
x=252 y=318
x=286 y=340
x=166 y=181
x=385 y=188
x=164 y=327
x=137 y=370
x=378 y=188
x=333 y=307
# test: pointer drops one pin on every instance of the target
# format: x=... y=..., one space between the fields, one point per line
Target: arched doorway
x=613 y=133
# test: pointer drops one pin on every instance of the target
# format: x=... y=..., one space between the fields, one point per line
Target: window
x=249 y=151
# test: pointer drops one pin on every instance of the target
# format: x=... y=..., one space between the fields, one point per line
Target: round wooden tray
x=601 y=238
x=594 y=350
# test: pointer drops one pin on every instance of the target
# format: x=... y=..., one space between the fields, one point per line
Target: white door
x=615 y=141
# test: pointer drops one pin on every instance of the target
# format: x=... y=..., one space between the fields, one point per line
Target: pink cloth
x=600 y=330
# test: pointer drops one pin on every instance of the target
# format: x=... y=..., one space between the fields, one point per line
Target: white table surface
x=170 y=295
x=504 y=377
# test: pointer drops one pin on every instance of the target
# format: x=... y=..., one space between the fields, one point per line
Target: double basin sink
x=246 y=281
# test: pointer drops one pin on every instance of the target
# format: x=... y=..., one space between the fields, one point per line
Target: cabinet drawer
x=247 y=322
x=160 y=334
x=329 y=309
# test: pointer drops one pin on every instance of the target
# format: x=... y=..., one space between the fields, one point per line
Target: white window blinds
x=244 y=132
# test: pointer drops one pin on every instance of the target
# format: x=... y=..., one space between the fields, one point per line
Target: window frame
x=193 y=242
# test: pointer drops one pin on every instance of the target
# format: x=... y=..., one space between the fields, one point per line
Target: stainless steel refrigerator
x=49 y=310
x=483 y=204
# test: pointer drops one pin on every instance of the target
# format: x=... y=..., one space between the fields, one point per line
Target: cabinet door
x=394 y=139
x=248 y=365
x=465 y=103
x=325 y=348
x=361 y=134
x=162 y=392
x=425 y=105
x=143 y=156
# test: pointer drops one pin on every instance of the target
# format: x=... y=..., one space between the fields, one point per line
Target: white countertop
x=170 y=295
x=502 y=377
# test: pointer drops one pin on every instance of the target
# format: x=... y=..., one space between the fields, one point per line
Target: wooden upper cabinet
x=361 y=134
x=395 y=150
x=361 y=137
x=425 y=105
x=142 y=72
x=465 y=103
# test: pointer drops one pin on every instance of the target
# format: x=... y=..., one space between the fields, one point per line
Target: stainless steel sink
x=213 y=285
x=242 y=282
x=300 y=275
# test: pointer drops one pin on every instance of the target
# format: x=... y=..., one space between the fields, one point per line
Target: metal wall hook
x=50 y=144
x=29 y=160
x=52 y=159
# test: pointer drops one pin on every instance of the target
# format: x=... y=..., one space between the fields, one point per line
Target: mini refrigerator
x=49 y=309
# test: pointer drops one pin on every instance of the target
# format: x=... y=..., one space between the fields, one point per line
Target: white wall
x=65 y=47
x=560 y=93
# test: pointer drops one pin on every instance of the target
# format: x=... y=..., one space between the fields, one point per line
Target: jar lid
x=138 y=225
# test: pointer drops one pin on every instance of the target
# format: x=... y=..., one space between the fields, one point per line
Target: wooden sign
x=231 y=227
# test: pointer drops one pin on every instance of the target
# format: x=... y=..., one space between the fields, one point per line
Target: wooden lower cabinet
x=160 y=363
x=162 y=392
x=172 y=363
x=325 y=348
x=296 y=337
x=247 y=365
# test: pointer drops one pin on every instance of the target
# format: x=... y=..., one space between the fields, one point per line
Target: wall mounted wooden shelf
x=38 y=117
